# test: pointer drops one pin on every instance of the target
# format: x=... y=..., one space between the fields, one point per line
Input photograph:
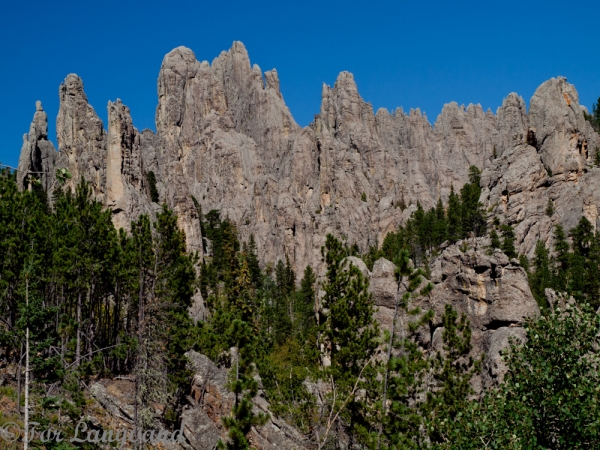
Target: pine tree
x=244 y=386
x=562 y=260
x=440 y=228
x=403 y=373
x=151 y=179
x=455 y=230
x=348 y=336
x=541 y=277
x=472 y=213
x=281 y=308
x=452 y=371
x=508 y=241
x=584 y=284
x=306 y=304
x=495 y=239
x=253 y=265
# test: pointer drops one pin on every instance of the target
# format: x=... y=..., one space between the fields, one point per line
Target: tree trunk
x=19 y=380
x=140 y=350
x=26 y=423
x=387 y=368
x=78 y=345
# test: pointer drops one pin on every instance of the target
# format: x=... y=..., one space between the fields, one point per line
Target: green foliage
x=244 y=386
x=62 y=175
x=453 y=369
x=85 y=281
x=550 y=395
x=495 y=240
x=454 y=213
x=363 y=197
x=404 y=371
x=550 y=208
x=473 y=216
x=347 y=331
x=541 y=277
x=426 y=231
x=151 y=179
x=574 y=269
x=508 y=241
x=594 y=117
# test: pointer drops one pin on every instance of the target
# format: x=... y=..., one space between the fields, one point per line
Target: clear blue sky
x=402 y=53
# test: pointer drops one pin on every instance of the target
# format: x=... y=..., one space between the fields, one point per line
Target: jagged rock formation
x=125 y=172
x=491 y=290
x=225 y=137
x=37 y=154
x=552 y=160
x=81 y=137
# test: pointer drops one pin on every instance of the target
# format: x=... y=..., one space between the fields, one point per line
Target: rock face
x=125 y=172
x=225 y=138
x=491 y=290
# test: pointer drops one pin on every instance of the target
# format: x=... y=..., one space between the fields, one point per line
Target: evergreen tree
x=495 y=240
x=562 y=260
x=253 y=265
x=584 y=262
x=453 y=370
x=244 y=386
x=472 y=213
x=541 y=277
x=508 y=241
x=348 y=335
x=282 y=308
x=399 y=424
x=306 y=304
x=151 y=179
x=455 y=229
x=440 y=228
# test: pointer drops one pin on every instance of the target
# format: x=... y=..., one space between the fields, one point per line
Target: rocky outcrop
x=561 y=133
x=81 y=138
x=209 y=401
x=126 y=190
x=490 y=289
x=225 y=138
x=551 y=162
x=38 y=155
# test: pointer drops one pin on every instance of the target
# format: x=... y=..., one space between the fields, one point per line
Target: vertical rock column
x=37 y=154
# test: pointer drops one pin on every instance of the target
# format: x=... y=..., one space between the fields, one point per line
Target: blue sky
x=402 y=53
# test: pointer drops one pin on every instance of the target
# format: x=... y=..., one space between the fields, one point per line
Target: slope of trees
x=574 y=268
x=426 y=230
x=102 y=302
